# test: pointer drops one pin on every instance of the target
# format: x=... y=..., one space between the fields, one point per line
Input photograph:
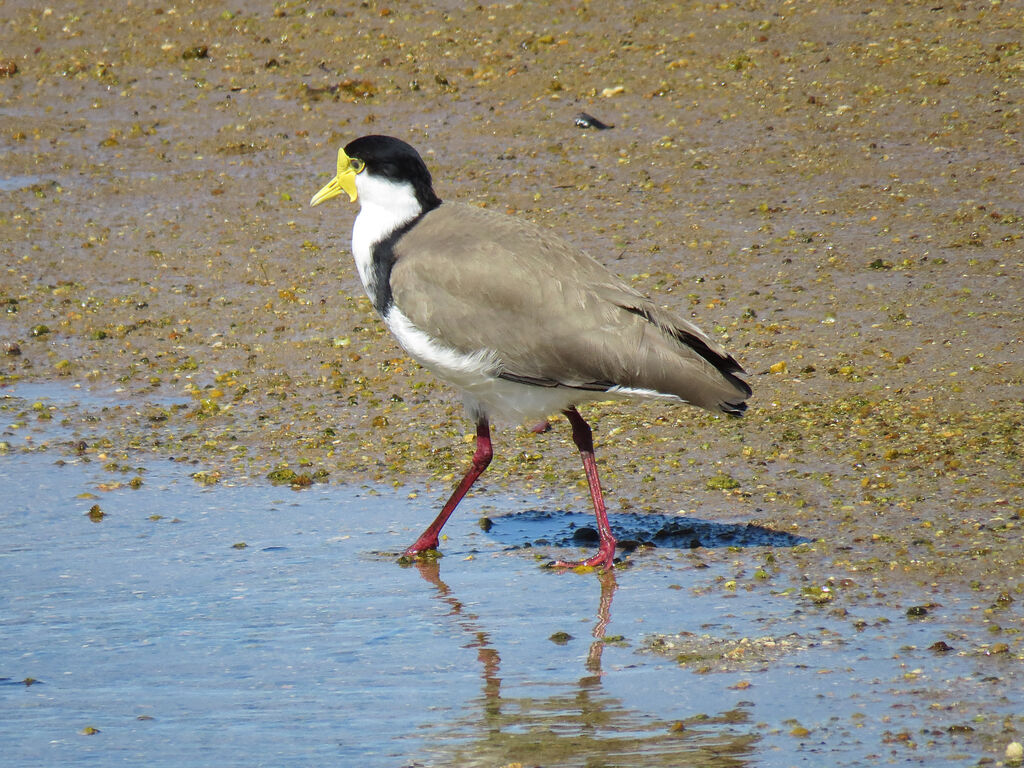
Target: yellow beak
x=344 y=181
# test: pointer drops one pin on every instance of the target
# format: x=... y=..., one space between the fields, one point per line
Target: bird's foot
x=425 y=549
x=422 y=556
x=604 y=559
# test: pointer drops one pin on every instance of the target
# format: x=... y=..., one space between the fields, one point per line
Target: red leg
x=583 y=437
x=481 y=458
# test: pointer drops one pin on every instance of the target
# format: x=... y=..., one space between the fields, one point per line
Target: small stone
x=585 y=535
x=584 y=120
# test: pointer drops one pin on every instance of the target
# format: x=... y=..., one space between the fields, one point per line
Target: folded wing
x=552 y=315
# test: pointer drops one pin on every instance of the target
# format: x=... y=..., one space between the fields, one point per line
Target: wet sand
x=834 y=190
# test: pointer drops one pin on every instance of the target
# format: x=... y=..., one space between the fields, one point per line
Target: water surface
x=183 y=624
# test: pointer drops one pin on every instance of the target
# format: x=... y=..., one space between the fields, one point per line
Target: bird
x=522 y=322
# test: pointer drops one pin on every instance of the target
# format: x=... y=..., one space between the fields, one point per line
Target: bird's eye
x=357 y=164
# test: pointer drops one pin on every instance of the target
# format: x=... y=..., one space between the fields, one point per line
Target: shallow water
x=11 y=183
x=310 y=645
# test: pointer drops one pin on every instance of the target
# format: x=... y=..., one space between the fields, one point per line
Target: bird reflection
x=580 y=724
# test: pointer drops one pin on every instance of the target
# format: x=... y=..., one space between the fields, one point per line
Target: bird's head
x=372 y=168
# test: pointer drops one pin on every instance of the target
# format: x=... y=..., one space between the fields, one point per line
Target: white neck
x=384 y=207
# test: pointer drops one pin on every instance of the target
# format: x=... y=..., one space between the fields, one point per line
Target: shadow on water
x=634 y=530
x=577 y=725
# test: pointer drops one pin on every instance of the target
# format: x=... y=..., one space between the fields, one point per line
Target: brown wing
x=554 y=316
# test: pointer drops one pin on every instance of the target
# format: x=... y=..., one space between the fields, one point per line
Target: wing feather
x=552 y=315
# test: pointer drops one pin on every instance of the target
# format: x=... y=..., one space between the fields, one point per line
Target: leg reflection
x=539 y=723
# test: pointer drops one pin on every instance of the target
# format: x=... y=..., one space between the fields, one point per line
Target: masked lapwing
x=520 y=321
